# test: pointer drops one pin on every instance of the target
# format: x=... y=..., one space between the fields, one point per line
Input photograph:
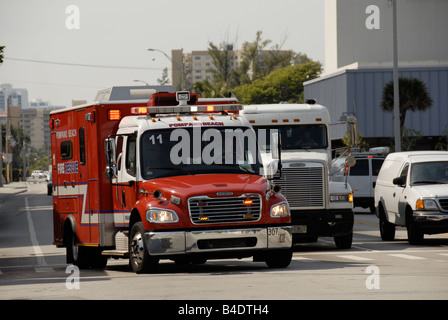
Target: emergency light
x=227 y=108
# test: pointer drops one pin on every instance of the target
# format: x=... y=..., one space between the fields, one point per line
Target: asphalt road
x=32 y=268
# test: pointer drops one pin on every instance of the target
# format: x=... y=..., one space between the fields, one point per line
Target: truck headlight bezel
x=158 y=215
x=426 y=204
x=280 y=210
x=341 y=197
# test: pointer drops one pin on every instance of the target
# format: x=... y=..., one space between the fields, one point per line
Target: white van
x=412 y=191
x=362 y=176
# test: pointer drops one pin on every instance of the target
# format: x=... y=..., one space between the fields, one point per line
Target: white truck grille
x=205 y=210
x=303 y=186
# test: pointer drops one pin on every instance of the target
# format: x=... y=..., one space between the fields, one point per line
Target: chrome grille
x=444 y=204
x=303 y=186
x=205 y=210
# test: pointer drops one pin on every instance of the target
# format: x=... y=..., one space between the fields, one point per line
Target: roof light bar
x=228 y=108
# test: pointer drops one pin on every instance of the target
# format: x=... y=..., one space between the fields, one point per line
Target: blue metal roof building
x=359 y=92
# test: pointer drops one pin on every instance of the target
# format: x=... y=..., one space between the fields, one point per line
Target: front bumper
x=215 y=241
x=322 y=223
x=430 y=216
x=431 y=222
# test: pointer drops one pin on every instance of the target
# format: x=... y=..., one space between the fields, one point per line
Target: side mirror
x=276 y=150
x=110 y=154
x=350 y=161
x=275 y=145
x=399 y=181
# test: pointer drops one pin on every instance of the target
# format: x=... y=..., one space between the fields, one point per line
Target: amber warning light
x=114 y=114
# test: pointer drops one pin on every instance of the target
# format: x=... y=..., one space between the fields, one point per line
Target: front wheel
x=139 y=258
x=344 y=242
x=279 y=258
x=415 y=233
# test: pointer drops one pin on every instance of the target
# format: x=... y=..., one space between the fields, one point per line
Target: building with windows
x=195 y=66
x=34 y=123
x=13 y=97
x=358 y=64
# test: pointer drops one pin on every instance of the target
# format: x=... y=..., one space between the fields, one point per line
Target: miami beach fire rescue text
x=166 y=178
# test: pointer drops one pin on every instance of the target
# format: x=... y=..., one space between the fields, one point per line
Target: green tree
x=257 y=61
x=1 y=54
x=413 y=95
x=222 y=59
x=164 y=79
x=285 y=84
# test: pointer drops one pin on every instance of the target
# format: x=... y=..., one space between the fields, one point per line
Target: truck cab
x=320 y=206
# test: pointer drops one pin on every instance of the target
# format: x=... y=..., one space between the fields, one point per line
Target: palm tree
x=413 y=96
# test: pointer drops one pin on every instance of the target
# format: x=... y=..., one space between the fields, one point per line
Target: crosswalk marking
x=352 y=257
x=304 y=259
x=405 y=256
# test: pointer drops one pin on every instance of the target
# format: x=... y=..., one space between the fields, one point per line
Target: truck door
x=125 y=186
x=399 y=198
x=58 y=223
x=83 y=177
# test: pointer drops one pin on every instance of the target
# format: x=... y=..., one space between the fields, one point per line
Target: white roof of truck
x=286 y=113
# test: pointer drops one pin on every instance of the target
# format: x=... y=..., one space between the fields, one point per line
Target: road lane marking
x=43 y=266
x=406 y=256
x=303 y=259
x=356 y=258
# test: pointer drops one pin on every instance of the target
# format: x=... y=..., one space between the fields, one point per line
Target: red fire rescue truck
x=164 y=178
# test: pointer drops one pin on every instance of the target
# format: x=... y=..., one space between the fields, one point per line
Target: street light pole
x=180 y=68
x=397 y=129
x=146 y=83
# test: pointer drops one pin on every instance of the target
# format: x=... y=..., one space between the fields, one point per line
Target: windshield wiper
x=173 y=168
x=429 y=182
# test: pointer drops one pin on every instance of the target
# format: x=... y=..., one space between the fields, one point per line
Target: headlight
x=157 y=215
x=348 y=197
x=280 y=210
x=426 y=204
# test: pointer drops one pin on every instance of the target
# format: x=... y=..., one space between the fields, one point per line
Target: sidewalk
x=14 y=187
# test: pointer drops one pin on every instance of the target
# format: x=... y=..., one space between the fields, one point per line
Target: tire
x=76 y=255
x=415 y=232
x=387 y=229
x=344 y=242
x=279 y=258
x=139 y=258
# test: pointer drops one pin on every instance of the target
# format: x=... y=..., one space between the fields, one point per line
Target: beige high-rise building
x=189 y=68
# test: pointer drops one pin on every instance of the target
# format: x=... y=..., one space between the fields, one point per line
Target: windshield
x=198 y=150
x=429 y=173
x=313 y=136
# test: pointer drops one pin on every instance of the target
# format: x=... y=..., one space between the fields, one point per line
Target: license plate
x=299 y=228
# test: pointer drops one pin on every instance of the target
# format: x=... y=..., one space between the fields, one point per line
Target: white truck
x=320 y=206
x=411 y=191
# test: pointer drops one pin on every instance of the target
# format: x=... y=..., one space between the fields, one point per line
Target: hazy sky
x=118 y=33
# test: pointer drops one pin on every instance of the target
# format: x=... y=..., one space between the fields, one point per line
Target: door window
x=131 y=159
x=361 y=168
